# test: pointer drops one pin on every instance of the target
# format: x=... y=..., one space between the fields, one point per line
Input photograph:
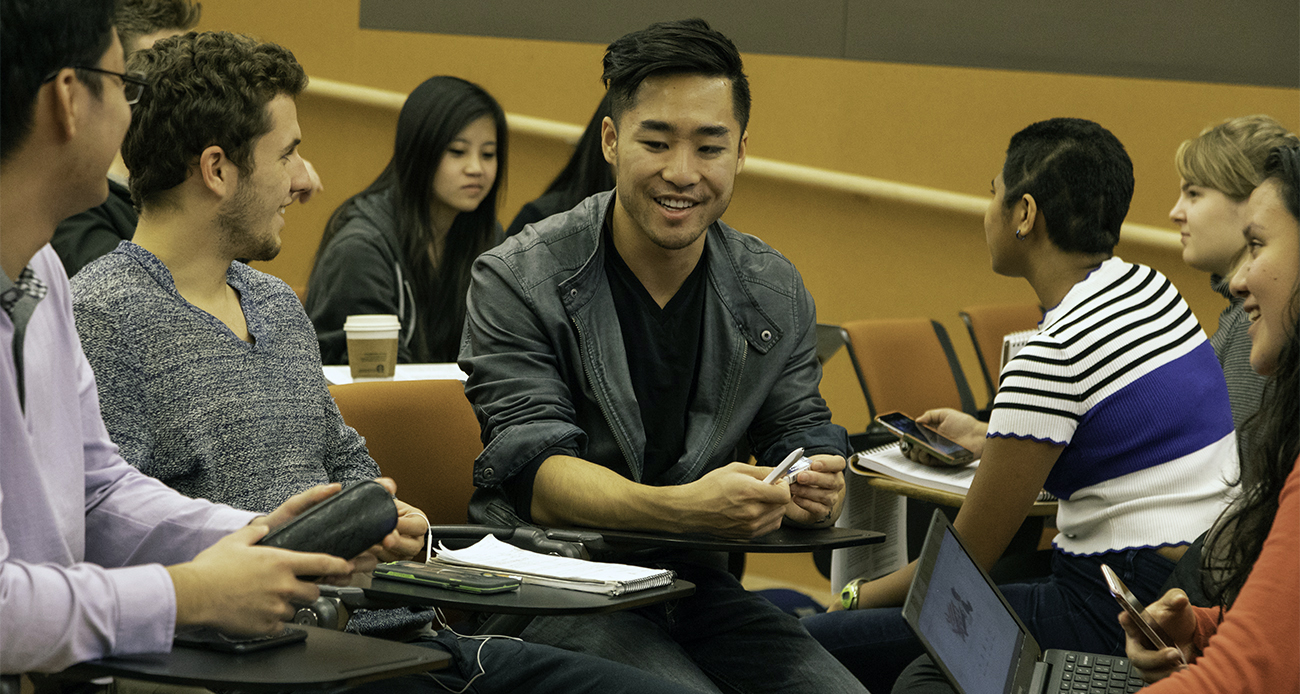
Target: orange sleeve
x=1207 y=625
x=1257 y=646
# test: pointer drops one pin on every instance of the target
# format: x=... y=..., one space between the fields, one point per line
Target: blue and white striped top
x=1122 y=375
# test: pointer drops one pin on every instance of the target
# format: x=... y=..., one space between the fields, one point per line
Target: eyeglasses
x=133 y=83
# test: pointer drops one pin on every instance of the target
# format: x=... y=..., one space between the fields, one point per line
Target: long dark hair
x=1238 y=537
x=587 y=172
x=433 y=115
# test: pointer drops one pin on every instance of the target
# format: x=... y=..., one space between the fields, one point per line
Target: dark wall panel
x=808 y=27
x=1256 y=42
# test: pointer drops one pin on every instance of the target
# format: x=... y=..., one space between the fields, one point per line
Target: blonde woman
x=1218 y=170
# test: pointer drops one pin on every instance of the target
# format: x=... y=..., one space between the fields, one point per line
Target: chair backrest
x=829 y=341
x=987 y=326
x=906 y=365
x=424 y=435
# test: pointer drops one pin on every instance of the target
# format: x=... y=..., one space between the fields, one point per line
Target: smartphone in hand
x=1155 y=634
x=793 y=464
x=938 y=446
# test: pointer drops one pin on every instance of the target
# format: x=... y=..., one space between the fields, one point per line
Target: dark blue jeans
x=1071 y=609
x=509 y=666
x=722 y=638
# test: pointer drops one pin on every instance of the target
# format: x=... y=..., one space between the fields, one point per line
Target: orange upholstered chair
x=906 y=365
x=424 y=435
x=987 y=326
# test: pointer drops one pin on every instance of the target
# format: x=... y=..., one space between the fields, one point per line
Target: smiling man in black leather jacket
x=619 y=353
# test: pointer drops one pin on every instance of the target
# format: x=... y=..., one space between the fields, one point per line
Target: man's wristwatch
x=849 y=595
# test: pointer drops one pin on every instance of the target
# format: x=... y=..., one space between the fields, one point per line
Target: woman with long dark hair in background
x=404 y=245
x=586 y=174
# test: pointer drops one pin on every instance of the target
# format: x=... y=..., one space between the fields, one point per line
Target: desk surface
x=783 y=539
x=916 y=491
x=327 y=659
x=342 y=375
x=528 y=600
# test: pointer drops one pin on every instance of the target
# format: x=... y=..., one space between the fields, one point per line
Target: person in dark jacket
x=84 y=237
x=404 y=245
x=619 y=353
x=586 y=174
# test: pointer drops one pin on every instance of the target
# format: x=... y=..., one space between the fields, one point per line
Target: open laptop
x=980 y=644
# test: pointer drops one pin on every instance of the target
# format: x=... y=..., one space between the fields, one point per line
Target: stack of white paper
x=553 y=571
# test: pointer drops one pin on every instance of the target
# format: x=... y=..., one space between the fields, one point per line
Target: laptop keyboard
x=1085 y=673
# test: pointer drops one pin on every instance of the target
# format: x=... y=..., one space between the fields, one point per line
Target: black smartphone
x=936 y=445
x=344 y=525
x=465 y=580
x=211 y=639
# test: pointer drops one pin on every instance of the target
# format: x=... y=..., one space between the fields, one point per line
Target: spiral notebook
x=1013 y=343
x=555 y=572
x=888 y=460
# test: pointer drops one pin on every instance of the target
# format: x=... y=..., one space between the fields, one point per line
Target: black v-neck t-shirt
x=663 y=355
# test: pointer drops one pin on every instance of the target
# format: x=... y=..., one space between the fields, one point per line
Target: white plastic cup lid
x=371 y=322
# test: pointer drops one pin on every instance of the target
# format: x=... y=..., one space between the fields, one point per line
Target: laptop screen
x=969 y=628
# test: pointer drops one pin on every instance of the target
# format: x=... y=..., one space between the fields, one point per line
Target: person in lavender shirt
x=96 y=559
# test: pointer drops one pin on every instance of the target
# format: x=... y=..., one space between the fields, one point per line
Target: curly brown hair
x=205 y=89
x=136 y=18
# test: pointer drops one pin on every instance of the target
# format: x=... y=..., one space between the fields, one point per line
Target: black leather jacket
x=547 y=369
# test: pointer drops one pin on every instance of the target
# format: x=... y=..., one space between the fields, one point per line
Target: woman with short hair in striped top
x=1118 y=407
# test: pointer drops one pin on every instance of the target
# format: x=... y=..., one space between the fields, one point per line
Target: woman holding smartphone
x=1256 y=613
x=405 y=244
x=1073 y=414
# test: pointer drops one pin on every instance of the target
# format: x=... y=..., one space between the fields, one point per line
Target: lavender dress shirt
x=84 y=537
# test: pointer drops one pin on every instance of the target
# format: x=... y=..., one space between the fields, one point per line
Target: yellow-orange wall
x=935 y=126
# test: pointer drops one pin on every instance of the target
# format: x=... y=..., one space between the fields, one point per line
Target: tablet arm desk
x=332 y=608
x=326 y=660
x=512 y=611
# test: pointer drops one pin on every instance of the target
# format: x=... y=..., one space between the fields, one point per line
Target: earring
x=1019 y=236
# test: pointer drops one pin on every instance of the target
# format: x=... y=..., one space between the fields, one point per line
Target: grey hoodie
x=361 y=271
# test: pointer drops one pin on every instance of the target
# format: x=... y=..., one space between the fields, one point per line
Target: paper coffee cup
x=372 y=346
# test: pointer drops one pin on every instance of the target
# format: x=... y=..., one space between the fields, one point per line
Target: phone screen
x=908 y=427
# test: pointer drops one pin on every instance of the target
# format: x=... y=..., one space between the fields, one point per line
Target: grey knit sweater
x=212 y=416
x=191 y=404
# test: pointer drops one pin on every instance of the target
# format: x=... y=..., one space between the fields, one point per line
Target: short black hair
x=1080 y=177
x=687 y=46
x=204 y=89
x=40 y=37
x=136 y=18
